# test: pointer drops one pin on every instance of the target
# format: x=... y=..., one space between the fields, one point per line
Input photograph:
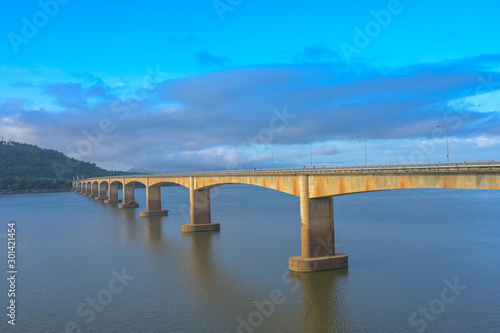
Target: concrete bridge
x=316 y=188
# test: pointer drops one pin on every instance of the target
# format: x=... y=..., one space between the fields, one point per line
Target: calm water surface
x=405 y=247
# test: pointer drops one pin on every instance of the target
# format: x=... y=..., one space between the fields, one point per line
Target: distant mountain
x=141 y=171
x=25 y=167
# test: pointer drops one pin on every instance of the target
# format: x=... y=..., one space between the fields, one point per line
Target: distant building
x=10 y=143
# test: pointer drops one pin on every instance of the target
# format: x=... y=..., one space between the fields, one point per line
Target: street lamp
x=243 y=153
x=220 y=161
x=311 y=151
x=358 y=137
x=272 y=157
x=447 y=144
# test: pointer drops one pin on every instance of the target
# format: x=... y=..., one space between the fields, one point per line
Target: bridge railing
x=426 y=167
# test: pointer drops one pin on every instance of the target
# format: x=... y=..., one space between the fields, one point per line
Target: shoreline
x=34 y=191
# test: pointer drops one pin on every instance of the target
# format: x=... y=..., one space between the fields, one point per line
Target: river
x=419 y=261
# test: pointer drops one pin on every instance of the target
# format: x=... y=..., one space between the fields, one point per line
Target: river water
x=419 y=261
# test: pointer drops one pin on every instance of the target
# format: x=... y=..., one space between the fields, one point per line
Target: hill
x=25 y=167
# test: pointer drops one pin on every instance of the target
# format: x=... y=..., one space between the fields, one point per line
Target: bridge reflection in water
x=214 y=286
x=315 y=187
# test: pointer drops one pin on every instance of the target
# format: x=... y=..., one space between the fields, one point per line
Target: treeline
x=16 y=184
x=28 y=167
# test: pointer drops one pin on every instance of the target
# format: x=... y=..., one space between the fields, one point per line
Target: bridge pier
x=128 y=196
x=200 y=211
x=317 y=234
x=153 y=202
x=102 y=191
x=94 y=190
x=113 y=193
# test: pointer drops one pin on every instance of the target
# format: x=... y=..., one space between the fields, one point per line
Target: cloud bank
x=174 y=122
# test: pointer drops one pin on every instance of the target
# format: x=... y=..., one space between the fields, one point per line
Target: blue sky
x=170 y=85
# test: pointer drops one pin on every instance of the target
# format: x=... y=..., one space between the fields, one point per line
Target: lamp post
x=311 y=152
x=220 y=161
x=447 y=144
x=358 y=137
x=242 y=153
x=272 y=157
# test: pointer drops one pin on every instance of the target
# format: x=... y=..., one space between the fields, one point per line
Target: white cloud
x=483 y=142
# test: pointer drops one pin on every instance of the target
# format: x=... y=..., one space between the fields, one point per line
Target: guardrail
x=429 y=167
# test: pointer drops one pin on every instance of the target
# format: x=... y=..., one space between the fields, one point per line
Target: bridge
x=316 y=188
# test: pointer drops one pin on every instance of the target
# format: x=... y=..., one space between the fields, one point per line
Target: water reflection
x=129 y=223
x=323 y=305
x=202 y=261
x=153 y=229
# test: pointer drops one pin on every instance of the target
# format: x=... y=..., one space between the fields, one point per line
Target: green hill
x=25 y=167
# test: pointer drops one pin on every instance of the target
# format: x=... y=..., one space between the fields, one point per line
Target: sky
x=172 y=86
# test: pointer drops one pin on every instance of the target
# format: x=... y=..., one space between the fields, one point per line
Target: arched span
x=165 y=183
x=284 y=183
x=334 y=184
x=183 y=181
x=134 y=181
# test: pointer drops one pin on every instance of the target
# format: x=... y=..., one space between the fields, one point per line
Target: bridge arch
x=316 y=190
x=334 y=185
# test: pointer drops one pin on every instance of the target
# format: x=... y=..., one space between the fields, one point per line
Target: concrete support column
x=94 y=190
x=317 y=234
x=153 y=202
x=113 y=193
x=200 y=210
x=102 y=191
x=128 y=196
